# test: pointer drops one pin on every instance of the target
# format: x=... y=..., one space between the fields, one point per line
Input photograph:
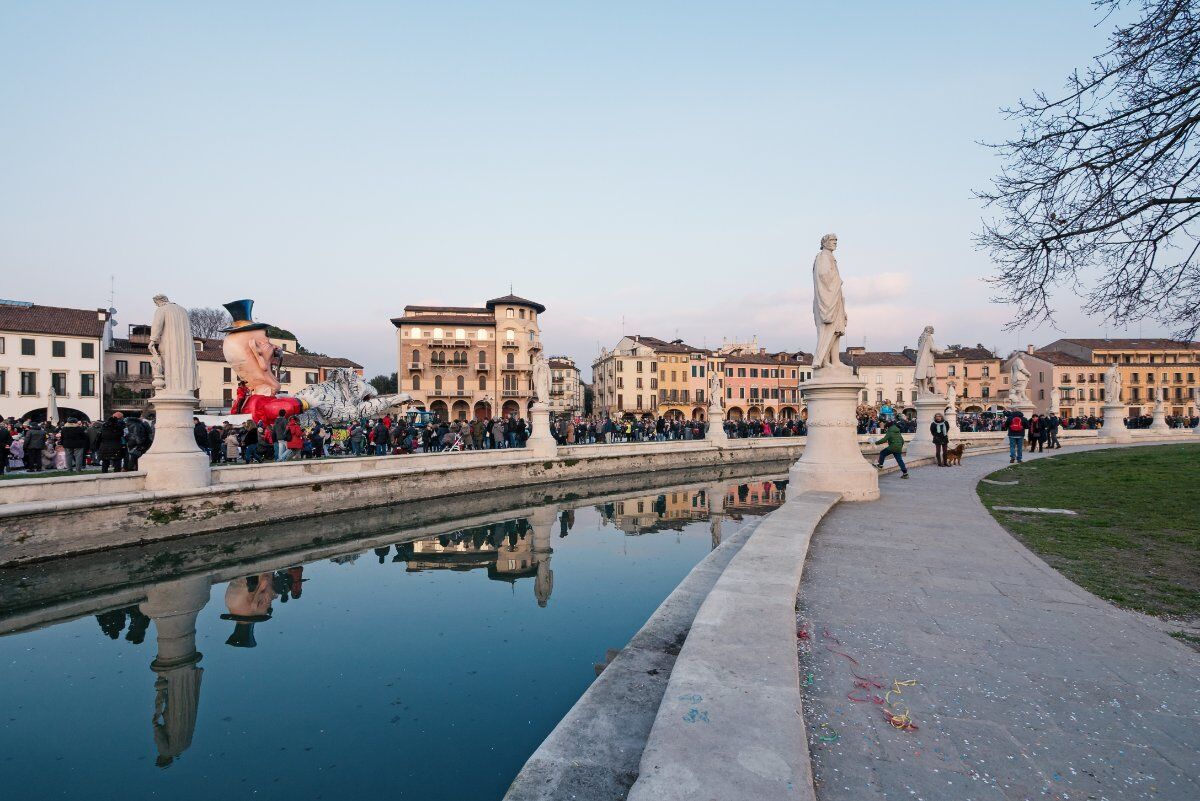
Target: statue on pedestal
x=1055 y=400
x=172 y=349
x=829 y=306
x=716 y=392
x=1018 y=382
x=951 y=401
x=1112 y=385
x=541 y=379
x=925 y=372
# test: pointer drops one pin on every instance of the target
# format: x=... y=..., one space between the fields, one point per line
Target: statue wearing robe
x=1112 y=384
x=716 y=395
x=829 y=306
x=172 y=350
x=1018 y=383
x=541 y=379
x=925 y=372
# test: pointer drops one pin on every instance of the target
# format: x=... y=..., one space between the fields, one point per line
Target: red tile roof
x=1133 y=344
x=37 y=319
x=877 y=359
x=1057 y=357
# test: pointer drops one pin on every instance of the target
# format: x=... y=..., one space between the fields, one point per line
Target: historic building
x=44 y=347
x=129 y=373
x=763 y=385
x=466 y=361
x=974 y=372
x=889 y=377
x=646 y=376
x=566 y=390
x=1149 y=368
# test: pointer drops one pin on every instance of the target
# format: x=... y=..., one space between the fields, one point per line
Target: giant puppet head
x=248 y=350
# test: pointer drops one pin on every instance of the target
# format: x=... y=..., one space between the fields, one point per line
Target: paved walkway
x=1029 y=687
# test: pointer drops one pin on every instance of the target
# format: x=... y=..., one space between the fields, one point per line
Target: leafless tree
x=207 y=323
x=1100 y=192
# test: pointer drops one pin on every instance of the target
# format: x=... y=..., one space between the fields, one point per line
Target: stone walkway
x=1028 y=687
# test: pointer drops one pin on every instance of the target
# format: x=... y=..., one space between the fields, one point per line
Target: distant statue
x=1055 y=400
x=172 y=349
x=951 y=400
x=829 y=306
x=541 y=378
x=1112 y=384
x=925 y=372
x=1018 y=382
x=716 y=393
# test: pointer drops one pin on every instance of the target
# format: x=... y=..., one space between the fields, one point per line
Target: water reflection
x=518 y=550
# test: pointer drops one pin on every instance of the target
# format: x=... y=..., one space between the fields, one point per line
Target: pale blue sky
x=672 y=163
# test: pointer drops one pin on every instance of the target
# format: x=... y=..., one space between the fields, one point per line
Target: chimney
x=1029 y=348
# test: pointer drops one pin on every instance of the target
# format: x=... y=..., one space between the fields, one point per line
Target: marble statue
x=925 y=372
x=1055 y=400
x=343 y=396
x=1112 y=384
x=541 y=378
x=951 y=400
x=172 y=349
x=829 y=306
x=1018 y=382
x=716 y=392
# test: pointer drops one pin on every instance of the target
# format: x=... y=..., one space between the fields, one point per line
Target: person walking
x=1052 y=427
x=940 y=430
x=232 y=446
x=895 y=446
x=249 y=442
x=6 y=441
x=112 y=443
x=1016 y=437
x=214 y=445
x=75 y=443
x=35 y=443
x=279 y=433
x=293 y=439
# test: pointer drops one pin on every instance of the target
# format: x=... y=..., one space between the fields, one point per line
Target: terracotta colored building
x=764 y=385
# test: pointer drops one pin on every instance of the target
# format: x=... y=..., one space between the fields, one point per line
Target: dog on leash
x=954 y=455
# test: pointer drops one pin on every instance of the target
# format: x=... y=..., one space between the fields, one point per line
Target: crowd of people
x=115 y=444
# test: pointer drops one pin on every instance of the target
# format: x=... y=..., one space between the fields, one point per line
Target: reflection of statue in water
x=1112 y=384
x=1018 y=382
x=542 y=520
x=829 y=306
x=249 y=601
x=172 y=350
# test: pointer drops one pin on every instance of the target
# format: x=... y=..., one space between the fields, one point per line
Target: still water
x=425 y=668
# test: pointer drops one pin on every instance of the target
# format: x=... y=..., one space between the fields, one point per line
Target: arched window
x=482 y=383
x=462 y=383
x=509 y=361
x=460 y=356
x=415 y=333
x=509 y=313
x=416 y=382
x=438 y=333
x=510 y=335
x=481 y=334
x=460 y=333
x=437 y=382
x=416 y=356
x=438 y=357
x=483 y=357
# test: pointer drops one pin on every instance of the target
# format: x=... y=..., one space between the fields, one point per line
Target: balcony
x=510 y=343
x=460 y=343
x=415 y=366
x=511 y=393
x=483 y=367
x=459 y=365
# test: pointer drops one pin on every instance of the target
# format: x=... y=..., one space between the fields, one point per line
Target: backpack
x=1016 y=425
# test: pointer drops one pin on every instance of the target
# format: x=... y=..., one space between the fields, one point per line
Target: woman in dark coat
x=112 y=444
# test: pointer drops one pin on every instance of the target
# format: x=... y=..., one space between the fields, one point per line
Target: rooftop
x=970 y=354
x=1131 y=344
x=663 y=346
x=1057 y=357
x=450 y=310
x=877 y=358
x=485 y=319
x=515 y=301
x=33 y=318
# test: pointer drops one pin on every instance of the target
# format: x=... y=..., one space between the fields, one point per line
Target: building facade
x=976 y=376
x=760 y=385
x=44 y=347
x=889 y=377
x=644 y=376
x=461 y=362
x=566 y=390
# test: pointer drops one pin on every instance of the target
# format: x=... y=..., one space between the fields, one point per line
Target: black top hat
x=242 y=312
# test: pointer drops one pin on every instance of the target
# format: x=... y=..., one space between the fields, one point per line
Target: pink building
x=765 y=385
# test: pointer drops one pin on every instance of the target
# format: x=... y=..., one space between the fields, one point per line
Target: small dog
x=954 y=455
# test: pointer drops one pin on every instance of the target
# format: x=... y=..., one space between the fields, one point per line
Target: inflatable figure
x=343 y=397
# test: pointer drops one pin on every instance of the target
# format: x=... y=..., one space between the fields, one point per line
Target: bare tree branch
x=207 y=323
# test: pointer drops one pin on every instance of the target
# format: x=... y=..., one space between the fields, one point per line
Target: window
x=741 y=372
x=437 y=383
x=28 y=347
x=144 y=369
x=285 y=376
x=899 y=396
x=227 y=375
x=59 y=382
x=987 y=371
x=509 y=313
x=481 y=335
x=864 y=399
x=311 y=378
x=879 y=396
x=460 y=333
x=1041 y=376
x=754 y=372
x=438 y=333
x=522 y=314
x=58 y=349
x=122 y=367
x=3 y=382
x=950 y=371
x=2 y=346
x=481 y=357
x=620 y=382
x=1041 y=394
x=986 y=392
x=638 y=383
x=415 y=333
x=482 y=383
x=416 y=382
x=87 y=385
x=462 y=383
x=28 y=382
x=879 y=378
x=510 y=335
x=510 y=361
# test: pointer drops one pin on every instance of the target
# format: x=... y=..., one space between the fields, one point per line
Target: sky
x=662 y=168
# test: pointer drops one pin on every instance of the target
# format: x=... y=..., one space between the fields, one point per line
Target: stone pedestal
x=173 y=607
x=716 y=427
x=1114 y=423
x=1159 y=423
x=927 y=406
x=832 y=461
x=540 y=442
x=1024 y=407
x=543 y=520
x=174 y=462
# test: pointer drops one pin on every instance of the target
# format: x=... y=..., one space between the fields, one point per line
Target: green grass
x=1136 y=540
x=44 y=474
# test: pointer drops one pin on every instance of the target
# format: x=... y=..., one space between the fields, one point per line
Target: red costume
x=265 y=409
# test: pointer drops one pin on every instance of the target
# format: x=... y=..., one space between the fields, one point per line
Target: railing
x=415 y=366
x=511 y=393
x=510 y=343
x=483 y=367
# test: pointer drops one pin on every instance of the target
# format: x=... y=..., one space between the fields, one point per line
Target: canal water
x=427 y=668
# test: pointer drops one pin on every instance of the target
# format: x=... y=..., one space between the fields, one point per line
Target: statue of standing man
x=925 y=372
x=172 y=350
x=541 y=378
x=829 y=307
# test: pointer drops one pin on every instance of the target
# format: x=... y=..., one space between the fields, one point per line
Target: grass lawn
x=44 y=474
x=1136 y=541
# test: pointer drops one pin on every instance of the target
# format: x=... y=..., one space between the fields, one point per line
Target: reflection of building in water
x=511 y=550
x=669 y=511
x=758 y=498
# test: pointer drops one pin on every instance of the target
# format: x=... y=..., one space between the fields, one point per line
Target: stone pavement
x=1028 y=687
